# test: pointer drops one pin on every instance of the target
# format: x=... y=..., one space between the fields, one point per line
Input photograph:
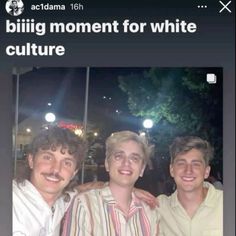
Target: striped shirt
x=95 y=213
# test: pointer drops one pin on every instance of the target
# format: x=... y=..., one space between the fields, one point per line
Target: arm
x=90 y=185
x=146 y=197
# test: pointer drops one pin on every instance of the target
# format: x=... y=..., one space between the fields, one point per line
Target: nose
x=56 y=166
x=126 y=161
x=188 y=168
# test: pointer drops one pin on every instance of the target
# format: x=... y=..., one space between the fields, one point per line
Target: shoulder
x=214 y=196
x=213 y=192
x=162 y=198
x=88 y=196
x=18 y=188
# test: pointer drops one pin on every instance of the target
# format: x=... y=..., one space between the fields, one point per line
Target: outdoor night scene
x=96 y=101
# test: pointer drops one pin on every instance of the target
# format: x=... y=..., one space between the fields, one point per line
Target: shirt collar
x=208 y=201
x=110 y=200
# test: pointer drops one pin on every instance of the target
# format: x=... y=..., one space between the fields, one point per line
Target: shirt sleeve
x=18 y=229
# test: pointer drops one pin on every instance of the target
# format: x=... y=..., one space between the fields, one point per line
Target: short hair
x=184 y=144
x=51 y=139
x=122 y=136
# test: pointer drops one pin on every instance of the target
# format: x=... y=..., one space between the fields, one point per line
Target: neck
x=191 y=200
x=50 y=199
x=122 y=195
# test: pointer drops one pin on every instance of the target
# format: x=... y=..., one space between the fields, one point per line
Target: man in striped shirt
x=114 y=209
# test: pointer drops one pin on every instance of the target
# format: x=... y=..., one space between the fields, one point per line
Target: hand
x=146 y=197
x=90 y=185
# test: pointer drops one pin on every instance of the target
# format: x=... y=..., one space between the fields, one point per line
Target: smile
x=125 y=172
x=188 y=179
x=52 y=178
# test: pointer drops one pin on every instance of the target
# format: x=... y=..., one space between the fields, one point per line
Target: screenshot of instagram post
x=117 y=118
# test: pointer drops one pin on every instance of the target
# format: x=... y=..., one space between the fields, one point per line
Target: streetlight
x=147 y=123
x=50 y=117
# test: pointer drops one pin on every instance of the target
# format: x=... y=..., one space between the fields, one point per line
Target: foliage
x=179 y=101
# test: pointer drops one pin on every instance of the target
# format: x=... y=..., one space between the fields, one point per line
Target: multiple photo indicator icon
x=211 y=78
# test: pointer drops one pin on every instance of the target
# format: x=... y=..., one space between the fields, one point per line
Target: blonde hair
x=122 y=136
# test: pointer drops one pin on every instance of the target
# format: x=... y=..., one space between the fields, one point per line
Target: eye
x=68 y=163
x=135 y=159
x=118 y=156
x=197 y=164
x=180 y=163
x=47 y=157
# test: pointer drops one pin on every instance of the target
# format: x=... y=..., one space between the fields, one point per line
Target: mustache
x=53 y=175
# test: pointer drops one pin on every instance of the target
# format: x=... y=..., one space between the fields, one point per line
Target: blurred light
x=50 y=117
x=142 y=134
x=109 y=98
x=49 y=104
x=148 y=123
x=95 y=134
x=117 y=111
x=104 y=97
x=28 y=130
x=78 y=132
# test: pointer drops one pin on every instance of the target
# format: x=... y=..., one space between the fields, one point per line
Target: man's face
x=189 y=171
x=125 y=164
x=51 y=171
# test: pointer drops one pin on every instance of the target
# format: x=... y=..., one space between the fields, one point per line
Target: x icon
x=225 y=6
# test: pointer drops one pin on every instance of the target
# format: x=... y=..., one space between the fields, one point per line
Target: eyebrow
x=45 y=152
x=184 y=160
x=122 y=152
x=52 y=154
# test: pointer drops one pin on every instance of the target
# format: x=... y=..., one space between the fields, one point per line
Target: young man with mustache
x=40 y=198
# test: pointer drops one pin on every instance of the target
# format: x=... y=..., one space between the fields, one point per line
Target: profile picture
x=14 y=7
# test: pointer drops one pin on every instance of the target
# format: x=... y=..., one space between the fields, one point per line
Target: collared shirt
x=96 y=213
x=32 y=216
x=207 y=221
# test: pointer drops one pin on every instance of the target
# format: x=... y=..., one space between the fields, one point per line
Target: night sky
x=65 y=89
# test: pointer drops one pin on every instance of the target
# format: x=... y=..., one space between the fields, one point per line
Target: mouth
x=125 y=172
x=187 y=179
x=52 y=177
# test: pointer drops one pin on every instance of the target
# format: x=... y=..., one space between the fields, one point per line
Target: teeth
x=52 y=179
x=125 y=172
x=188 y=178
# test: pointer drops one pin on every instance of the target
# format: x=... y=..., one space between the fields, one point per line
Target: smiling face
x=189 y=171
x=51 y=171
x=125 y=164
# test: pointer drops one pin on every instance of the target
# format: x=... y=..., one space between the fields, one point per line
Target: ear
x=142 y=171
x=106 y=165
x=30 y=161
x=171 y=169
x=207 y=172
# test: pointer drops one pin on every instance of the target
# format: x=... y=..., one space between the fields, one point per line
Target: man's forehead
x=193 y=154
